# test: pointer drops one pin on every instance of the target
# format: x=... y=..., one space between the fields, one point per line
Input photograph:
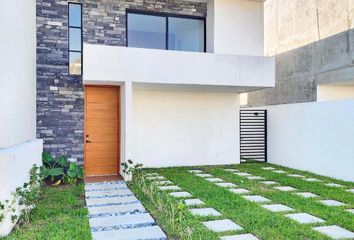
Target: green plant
x=130 y=168
x=60 y=170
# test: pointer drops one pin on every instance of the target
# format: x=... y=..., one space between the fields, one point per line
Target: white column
x=126 y=124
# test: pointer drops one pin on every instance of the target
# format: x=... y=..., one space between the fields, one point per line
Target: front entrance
x=102 y=130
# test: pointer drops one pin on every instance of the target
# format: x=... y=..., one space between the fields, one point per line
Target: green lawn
x=251 y=216
x=59 y=214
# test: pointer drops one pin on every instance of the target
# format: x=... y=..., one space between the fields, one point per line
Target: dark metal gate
x=253 y=135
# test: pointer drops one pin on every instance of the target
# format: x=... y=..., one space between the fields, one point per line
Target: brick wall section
x=60 y=97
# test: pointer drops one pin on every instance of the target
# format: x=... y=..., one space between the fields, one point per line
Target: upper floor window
x=161 y=31
x=75 y=38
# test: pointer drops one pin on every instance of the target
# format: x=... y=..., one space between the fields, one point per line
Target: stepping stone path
x=255 y=178
x=331 y=203
x=269 y=182
x=180 y=194
x=196 y=171
x=350 y=190
x=256 y=198
x=204 y=212
x=222 y=225
x=277 y=208
x=285 y=188
x=240 y=237
x=279 y=171
x=214 y=179
x=242 y=174
x=239 y=191
x=268 y=168
x=226 y=185
x=306 y=194
x=170 y=188
x=333 y=185
x=204 y=175
x=115 y=213
x=164 y=182
x=296 y=175
x=193 y=202
x=304 y=218
x=335 y=232
x=231 y=170
x=350 y=210
x=312 y=180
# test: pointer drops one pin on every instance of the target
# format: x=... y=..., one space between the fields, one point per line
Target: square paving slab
x=269 y=182
x=204 y=212
x=255 y=178
x=256 y=198
x=193 y=202
x=204 y=175
x=335 y=232
x=332 y=203
x=155 y=178
x=222 y=225
x=153 y=232
x=312 y=180
x=152 y=174
x=350 y=190
x=123 y=220
x=164 y=182
x=242 y=174
x=240 y=237
x=304 y=218
x=111 y=200
x=350 y=210
x=296 y=175
x=239 y=190
x=306 y=194
x=333 y=185
x=226 y=185
x=231 y=170
x=180 y=194
x=277 y=208
x=279 y=171
x=196 y=171
x=285 y=188
x=214 y=179
x=268 y=168
x=168 y=188
x=108 y=193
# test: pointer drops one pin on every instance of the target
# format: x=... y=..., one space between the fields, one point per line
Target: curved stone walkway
x=116 y=214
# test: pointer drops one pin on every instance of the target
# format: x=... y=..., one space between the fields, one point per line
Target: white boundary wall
x=19 y=148
x=176 y=128
x=316 y=137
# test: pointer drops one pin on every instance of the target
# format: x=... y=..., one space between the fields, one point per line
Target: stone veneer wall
x=60 y=97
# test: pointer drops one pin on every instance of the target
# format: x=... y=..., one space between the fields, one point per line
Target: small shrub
x=59 y=170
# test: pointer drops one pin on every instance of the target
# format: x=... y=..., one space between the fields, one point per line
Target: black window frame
x=75 y=27
x=166 y=16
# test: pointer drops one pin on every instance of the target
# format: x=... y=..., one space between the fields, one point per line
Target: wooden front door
x=102 y=130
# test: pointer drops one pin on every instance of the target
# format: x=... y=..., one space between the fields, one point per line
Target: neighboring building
x=19 y=148
x=131 y=98
x=313 y=44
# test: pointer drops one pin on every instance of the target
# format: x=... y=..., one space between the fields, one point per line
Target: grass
x=59 y=214
x=251 y=216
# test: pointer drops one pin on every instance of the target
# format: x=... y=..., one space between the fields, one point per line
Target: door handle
x=88 y=141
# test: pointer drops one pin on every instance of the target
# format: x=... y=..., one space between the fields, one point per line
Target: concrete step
x=153 y=232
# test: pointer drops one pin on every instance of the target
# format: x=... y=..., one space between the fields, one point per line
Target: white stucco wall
x=18 y=72
x=173 y=128
x=113 y=64
x=327 y=92
x=19 y=149
x=236 y=27
x=316 y=137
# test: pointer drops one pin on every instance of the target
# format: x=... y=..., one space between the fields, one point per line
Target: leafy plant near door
x=60 y=170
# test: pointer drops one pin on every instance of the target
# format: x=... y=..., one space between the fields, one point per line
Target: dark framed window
x=75 y=38
x=165 y=31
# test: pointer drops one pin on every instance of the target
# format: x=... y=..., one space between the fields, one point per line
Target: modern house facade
x=156 y=82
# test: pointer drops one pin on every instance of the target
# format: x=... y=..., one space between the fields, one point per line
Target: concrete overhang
x=112 y=65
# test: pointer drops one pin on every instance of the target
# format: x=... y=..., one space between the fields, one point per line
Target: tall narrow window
x=75 y=39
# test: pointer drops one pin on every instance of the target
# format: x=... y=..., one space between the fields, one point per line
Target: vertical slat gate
x=253 y=135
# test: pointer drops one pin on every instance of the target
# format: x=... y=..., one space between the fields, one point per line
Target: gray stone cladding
x=60 y=97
